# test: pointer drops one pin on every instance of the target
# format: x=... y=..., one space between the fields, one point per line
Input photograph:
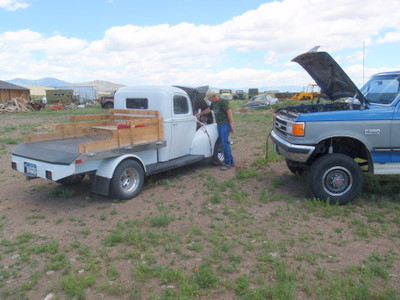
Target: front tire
x=218 y=154
x=336 y=178
x=127 y=181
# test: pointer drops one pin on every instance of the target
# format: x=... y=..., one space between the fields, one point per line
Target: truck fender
x=362 y=140
x=319 y=133
x=107 y=166
x=100 y=183
x=204 y=140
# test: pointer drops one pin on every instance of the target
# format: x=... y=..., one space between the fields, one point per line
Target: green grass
x=10 y=141
x=241 y=237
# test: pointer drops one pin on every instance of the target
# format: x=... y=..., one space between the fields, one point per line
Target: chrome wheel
x=337 y=181
x=129 y=180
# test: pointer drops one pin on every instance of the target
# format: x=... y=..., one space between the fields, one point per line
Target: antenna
x=363 y=62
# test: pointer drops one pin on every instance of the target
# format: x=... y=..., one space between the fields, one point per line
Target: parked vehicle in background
x=240 y=95
x=359 y=131
x=253 y=92
x=226 y=94
x=259 y=101
x=310 y=92
x=107 y=101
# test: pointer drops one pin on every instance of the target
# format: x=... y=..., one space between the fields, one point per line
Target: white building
x=85 y=93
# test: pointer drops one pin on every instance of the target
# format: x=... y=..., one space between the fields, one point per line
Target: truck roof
x=158 y=97
x=166 y=88
x=388 y=73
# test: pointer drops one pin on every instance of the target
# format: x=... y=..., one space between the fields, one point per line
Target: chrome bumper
x=290 y=151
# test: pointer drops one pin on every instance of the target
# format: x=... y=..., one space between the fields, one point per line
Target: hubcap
x=129 y=180
x=337 y=181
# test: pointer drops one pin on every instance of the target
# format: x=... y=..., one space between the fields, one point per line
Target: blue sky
x=221 y=43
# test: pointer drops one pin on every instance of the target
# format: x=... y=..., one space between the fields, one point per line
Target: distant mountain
x=103 y=87
x=107 y=87
x=41 y=82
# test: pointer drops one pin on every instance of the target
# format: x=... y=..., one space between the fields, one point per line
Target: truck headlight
x=298 y=129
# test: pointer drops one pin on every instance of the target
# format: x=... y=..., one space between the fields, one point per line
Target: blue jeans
x=223 y=132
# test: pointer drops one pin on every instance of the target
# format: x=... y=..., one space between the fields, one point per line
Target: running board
x=173 y=164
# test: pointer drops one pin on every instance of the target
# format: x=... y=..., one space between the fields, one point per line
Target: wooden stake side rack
x=120 y=128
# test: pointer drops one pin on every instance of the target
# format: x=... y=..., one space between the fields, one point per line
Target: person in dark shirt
x=224 y=119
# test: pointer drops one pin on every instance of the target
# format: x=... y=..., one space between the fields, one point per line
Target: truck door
x=183 y=126
x=391 y=91
x=395 y=136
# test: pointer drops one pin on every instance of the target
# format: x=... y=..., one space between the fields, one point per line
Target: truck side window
x=181 y=105
x=137 y=103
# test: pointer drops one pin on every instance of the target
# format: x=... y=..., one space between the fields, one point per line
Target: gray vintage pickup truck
x=356 y=131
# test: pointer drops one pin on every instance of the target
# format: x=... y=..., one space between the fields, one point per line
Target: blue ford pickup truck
x=355 y=131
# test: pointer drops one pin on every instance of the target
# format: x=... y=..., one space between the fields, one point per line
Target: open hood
x=195 y=94
x=330 y=77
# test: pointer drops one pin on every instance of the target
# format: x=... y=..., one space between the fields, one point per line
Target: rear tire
x=127 y=180
x=336 y=178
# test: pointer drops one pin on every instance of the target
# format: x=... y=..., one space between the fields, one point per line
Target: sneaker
x=224 y=168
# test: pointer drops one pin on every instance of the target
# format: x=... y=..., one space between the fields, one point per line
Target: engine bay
x=335 y=106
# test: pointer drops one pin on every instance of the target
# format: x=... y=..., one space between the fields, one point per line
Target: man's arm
x=230 y=119
x=206 y=111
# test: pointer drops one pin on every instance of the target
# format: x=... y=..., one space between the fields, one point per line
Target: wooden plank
x=98 y=145
x=89 y=117
x=145 y=134
x=32 y=138
x=105 y=127
x=124 y=137
x=63 y=131
x=100 y=134
x=154 y=113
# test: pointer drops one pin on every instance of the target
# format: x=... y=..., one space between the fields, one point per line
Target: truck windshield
x=382 y=89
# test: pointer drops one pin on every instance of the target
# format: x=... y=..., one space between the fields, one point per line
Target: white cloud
x=390 y=37
x=189 y=54
x=12 y=5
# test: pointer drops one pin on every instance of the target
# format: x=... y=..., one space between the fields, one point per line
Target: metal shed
x=10 y=90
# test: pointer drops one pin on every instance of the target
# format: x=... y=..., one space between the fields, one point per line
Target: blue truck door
x=395 y=135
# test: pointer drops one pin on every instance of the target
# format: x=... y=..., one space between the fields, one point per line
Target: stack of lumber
x=16 y=105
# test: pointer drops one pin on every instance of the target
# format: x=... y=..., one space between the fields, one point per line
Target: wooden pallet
x=120 y=128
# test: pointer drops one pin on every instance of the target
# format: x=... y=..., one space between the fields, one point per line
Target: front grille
x=280 y=126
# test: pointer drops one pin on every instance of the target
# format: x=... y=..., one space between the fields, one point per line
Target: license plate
x=30 y=169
